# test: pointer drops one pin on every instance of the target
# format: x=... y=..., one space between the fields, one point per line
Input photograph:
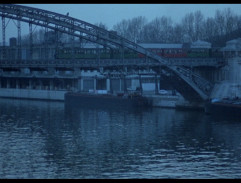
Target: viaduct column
x=30 y=84
x=19 y=40
x=17 y=83
x=108 y=84
x=3 y=38
x=156 y=84
x=30 y=41
x=95 y=78
x=81 y=84
x=8 y=83
x=51 y=84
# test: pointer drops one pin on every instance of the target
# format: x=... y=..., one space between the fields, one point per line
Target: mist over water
x=230 y=87
x=42 y=139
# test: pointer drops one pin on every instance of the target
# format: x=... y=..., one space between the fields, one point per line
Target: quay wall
x=32 y=94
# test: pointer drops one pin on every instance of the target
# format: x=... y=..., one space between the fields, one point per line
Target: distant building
x=201 y=44
x=160 y=45
x=232 y=48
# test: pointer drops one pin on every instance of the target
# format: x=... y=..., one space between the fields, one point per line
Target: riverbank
x=32 y=94
x=165 y=101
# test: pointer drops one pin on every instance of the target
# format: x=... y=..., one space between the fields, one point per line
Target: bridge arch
x=92 y=33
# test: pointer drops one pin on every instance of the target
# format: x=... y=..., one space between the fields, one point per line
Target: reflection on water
x=42 y=139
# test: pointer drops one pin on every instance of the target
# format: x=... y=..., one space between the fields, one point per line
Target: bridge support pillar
x=111 y=87
x=95 y=83
x=74 y=86
x=81 y=84
x=108 y=84
x=51 y=84
x=120 y=84
x=17 y=83
x=8 y=83
x=3 y=38
x=30 y=84
x=156 y=85
x=125 y=84
x=140 y=81
x=40 y=84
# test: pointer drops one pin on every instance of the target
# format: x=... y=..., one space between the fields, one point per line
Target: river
x=42 y=139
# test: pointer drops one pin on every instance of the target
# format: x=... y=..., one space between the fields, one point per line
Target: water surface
x=41 y=139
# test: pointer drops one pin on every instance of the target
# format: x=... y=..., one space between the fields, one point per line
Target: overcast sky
x=111 y=14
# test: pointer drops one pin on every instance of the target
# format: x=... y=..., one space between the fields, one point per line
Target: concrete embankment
x=32 y=94
x=166 y=101
x=163 y=100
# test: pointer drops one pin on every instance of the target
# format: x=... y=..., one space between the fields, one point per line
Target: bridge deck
x=188 y=62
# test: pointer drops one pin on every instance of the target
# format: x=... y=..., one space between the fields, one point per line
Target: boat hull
x=223 y=109
x=105 y=101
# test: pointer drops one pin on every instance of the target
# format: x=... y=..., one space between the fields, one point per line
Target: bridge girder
x=71 y=26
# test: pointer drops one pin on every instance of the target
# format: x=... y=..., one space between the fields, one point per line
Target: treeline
x=225 y=25
x=39 y=36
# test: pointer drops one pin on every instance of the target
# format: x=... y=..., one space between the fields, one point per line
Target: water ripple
x=46 y=140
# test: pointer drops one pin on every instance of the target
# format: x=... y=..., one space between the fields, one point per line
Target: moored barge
x=93 y=100
x=228 y=107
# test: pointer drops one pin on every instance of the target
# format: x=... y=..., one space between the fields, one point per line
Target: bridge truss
x=92 y=33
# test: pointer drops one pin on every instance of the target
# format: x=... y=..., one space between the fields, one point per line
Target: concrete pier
x=32 y=94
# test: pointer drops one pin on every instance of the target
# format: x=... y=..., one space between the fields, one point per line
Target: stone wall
x=32 y=94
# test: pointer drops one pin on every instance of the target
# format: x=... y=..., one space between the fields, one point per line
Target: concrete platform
x=32 y=94
x=168 y=101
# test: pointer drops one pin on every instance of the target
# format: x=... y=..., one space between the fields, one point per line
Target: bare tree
x=230 y=21
x=188 y=25
x=198 y=25
x=219 y=20
x=135 y=28
x=210 y=29
x=158 y=30
x=102 y=25
x=153 y=31
x=178 y=33
x=131 y=29
x=166 y=29
x=122 y=28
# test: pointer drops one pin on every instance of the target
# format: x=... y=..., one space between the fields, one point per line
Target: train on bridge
x=198 y=49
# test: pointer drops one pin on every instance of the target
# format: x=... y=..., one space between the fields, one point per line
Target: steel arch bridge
x=177 y=75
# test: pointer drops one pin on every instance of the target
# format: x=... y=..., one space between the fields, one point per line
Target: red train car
x=166 y=50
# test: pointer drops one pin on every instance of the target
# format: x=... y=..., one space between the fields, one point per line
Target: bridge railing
x=193 y=62
x=77 y=63
x=190 y=62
